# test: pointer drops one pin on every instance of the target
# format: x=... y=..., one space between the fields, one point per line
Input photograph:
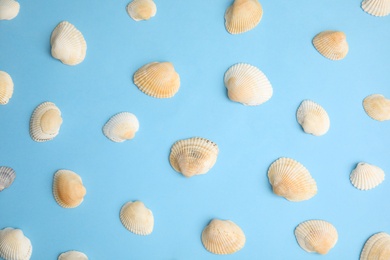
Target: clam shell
x=313 y=118
x=14 y=245
x=72 y=255
x=366 y=176
x=9 y=9
x=7 y=177
x=223 y=237
x=242 y=16
x=317 y=236
x=121 y=127
x=45 y=122
x=331 y=44
x=377 y=107
x=193 y=156
x=247 y=84
x=291 y=180
x=68 y=189
x=6 y=87
x=376 y=7
x=136 y=218
x=68 y=44
x=376 y=247
x=141 y=9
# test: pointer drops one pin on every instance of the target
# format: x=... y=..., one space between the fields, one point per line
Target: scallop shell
x=6 y=87
x=193 y=156
x=45 y=122
x=242 y=16
x=376 y=247
x=331 y=44
x=291 y=180
x=377 y=107
x=68 y=189
x=317 y=236
x=247 y=84
x=376 y=7
x=137 y=218
x=7 y=177
x=121 y=127
x=313 y=118
x=9 y=9
x=73 y=255
x=14 y=245
x=68 y=44
x=141 y=9
x=366 y=176
x=223 y=237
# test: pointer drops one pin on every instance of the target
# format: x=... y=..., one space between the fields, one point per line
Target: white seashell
x=136 y=218
x=68 y=189
x=366 y=176
x=6 y=87
x=313 y=118
x=9 y=9
x=242 y=16
x=45 y=122
x=377 y=107
x=121 y=127
x=73 y=255
x=7 y=177
x=14 y=245
x=377 y=247
x=376 y=7
x=141 y=9
x=331 y=44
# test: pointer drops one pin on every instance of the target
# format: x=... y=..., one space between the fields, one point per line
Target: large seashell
x=45 y=122
x=377 y=107
x=68 y=44
x=72 y=255
x=193 y=156
x=242 y=16
x=331 y=44
x=316 y=236
x=223 y=237
x=14 y=245
x=9 y=9
x=376 y=247
x=141 y=9
x=313 y=118
x=137 y=218
x=121 y=127
x=7 y=177
x=68 y=189
x=366 y=176
x=6 y=87
x=376 y=7
x=247 y=84
x=291 y=180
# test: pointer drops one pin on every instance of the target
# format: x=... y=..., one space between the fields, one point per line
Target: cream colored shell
x=7 y=177
x=72 y=255
x=242 y=16
x=377 y=107
x=377 y=247
x=14 y=245
x=45 y=122
x=376 y=7
x=9 y=9
x=141 y=9
x=366 y=176
x=121 y=127
x=68 y=189
x=331 y=44
x=6 y=87
x=313 y=118
x=137 y=218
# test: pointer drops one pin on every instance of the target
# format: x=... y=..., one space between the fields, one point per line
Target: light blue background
x=191 y=35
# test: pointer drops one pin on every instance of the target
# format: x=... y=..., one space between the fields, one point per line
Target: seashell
x=366 y=176
x=137 y=218
x=121 y=127
x=157 y=79
x=242 y=16
x=73 y=255
x=291 y=180
x=376 y=247
x=193 y=156
x=9 y=9
x=6 y=87
x=377 y=107
x=141 y=9
x=14 y=245
x=313 y=118
x=317 y=236
x=7 y=177
x=45 y=122
x=68 y=44
x=247 y=84
x=376 y=7
x=68 y=189
x=331 y=44
x=223 y=237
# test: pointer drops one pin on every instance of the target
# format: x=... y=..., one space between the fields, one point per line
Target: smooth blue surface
x=191 y=35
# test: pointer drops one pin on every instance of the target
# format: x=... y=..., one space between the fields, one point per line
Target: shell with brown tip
x=9 y=9
x=331 y=44
x=376 y=247
x=137 y=218
x=68 y=189
x=45 y=122
x=6 y=87
x=7 y=177
x=141 y=9
x=121 y=127
x=377 y=107
x=243 y=16
x=366 y=176
x=72 y=255
x=313 y=118
x=14 y=245
x=376 y=7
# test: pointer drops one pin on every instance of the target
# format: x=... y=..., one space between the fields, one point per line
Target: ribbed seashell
x=6 y=87
x=376 y=7
x=291 y=180
x=121 y=127
x=158 y=79
x=68 y=189
x=45 y=122
x=247 y=84
x=313 y=118
x=14 y=245
x=193 y=156
x=377 y=247
x=9 y=9
x=68 y=44
x=366 y=176
x=137 y=218
x=73 y=255
x=242 y=16
x=377 y=107
x=331 y=44
x=223 y=237
x=7 y=177
x=141 y=9
x=317 y=236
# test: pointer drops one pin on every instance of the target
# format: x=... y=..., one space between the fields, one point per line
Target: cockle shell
x=242 y=16
x=137 y=218
x=121 y=127
x=72 y=255
x=14 y=245
x=376 y=7
x=376 y=247
x=7 y=177
x=247 y=84
x=291 y=180
x=331 y=44
x=68 y=189
x=366 y=176
x=68 y=44
x=223 y=237
x=6 y=87
x=45 y=122
x=193 y=156
x=377 y=107
x=313 y=118
x=9 y=9
x=141 y=9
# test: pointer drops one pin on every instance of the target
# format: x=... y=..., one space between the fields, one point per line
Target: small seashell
x=45 y=122
x=137 y=218
x=73 y=255
x=68 y=189
x=193 y=156
x=331 y=44
x=14 y=245
x=376 y=7
x=7 y=177
x=247 y=84
x=242 y=16
x=6 y=87
x=366 y=176
x=223 y=237
x=376 y=247
x=141 y=9
x=9 y=9
x=377 y=107
x=291 y=180
x=68 y=44
x=317 y=236
x=313 y=118
x=121 y=127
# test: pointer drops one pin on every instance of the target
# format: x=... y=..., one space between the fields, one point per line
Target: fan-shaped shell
x=141 y=9
x=316 y=236
x=73 y=255
x=376 y=247
x=68 y=44
x=121 y=127
x=291 y=180
x=366 y=176
x=7 y=176
x=247 y=84
x=313 y=118
x=137 y=218
x=6 y=87
x=242 y=16
x=223 y=237
x=14 y=245
x=193 y=156
x=9 y=9
x=331 y=44
x=376 y=7
x=45 y=122
x=68 y=189
x=377 y=107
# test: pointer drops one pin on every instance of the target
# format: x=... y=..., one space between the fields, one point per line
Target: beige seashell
x=317 y=236
x=68 y=189
x=121 y=127
x=158 y=79
x=193 y=156
x=45 y=122
x=68 y=44
x=242 y=16
x=7 y=177
x=377 y=107
x=376 y=7
x=9 y=9
x=14 y=245
x=376 y=247
x=366 y=176
x=137 y=218
x=6 y=87
x=291 y=180
x=331 y=44
x=313 y=118
x=141 y=9
x=72 y=255
x=247 y=84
